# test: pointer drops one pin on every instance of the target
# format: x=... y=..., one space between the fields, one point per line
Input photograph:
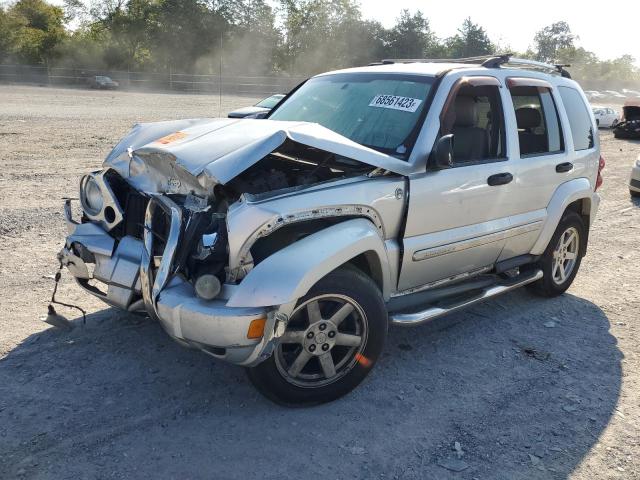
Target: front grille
x=134 y=210
x=133 y=204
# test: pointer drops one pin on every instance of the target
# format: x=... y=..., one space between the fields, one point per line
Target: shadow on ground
x=525 y=386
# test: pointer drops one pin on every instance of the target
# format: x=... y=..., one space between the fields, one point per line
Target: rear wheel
x=333 y=339
x=561 y=260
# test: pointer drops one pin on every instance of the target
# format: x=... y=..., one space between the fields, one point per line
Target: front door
x=459 y=218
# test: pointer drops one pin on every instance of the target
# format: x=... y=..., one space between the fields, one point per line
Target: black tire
x=271 y=377
x=634 y=193
x=547 y=286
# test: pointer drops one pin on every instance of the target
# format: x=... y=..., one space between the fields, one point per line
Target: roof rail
x=480 y=60
x=535 y=65
x=488 y=61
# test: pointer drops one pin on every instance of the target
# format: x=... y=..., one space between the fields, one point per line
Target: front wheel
x=561 y=260
x=333 y=338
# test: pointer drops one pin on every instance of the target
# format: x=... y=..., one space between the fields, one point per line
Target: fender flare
x=565 y=194
x=288 y=274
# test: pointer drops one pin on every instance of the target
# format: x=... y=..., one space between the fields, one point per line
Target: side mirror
x=443 y=152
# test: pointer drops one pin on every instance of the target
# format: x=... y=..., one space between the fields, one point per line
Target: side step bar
x=432 y=312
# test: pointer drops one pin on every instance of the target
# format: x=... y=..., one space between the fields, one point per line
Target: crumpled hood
x=217 y=150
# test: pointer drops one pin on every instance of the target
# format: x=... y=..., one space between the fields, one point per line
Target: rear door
x=545 y=157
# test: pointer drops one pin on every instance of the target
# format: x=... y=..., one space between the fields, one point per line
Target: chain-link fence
x=127 y=80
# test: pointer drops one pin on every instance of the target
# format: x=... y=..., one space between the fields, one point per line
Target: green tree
x=411 y=37
x=252 y=40
x=551 y=39
x=470 y=41
x=9 y=29
x=39 y=29
x=317 y=33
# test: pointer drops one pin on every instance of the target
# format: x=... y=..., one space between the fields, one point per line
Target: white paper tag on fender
x=394 y=102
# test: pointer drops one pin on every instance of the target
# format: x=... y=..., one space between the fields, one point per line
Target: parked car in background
x=629 y=126
x=102 y=82
x=634 y=181
x=262 y=107
x=606 y=116
x=387 y=194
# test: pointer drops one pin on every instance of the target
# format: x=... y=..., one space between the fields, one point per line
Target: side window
x=579 y=119
x=476 y=120
x=539 y=129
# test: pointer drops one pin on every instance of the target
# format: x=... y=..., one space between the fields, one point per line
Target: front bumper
x=123 y=274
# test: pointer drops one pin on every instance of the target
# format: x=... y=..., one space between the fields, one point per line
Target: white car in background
x=606 y=117
x=634 y=181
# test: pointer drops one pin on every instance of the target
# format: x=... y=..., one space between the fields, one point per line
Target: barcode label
x=394 y=102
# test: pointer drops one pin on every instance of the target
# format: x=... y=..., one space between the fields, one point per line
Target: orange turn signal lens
x=256 y=328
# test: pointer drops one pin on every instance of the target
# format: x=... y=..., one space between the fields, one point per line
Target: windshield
x=380 y=111
x=270 y=102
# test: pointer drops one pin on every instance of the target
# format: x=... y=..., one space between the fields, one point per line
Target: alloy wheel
x=565 y=255
x=325 y=338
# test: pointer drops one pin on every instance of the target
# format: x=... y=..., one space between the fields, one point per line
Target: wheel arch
x=289 y=273
x=575 y=195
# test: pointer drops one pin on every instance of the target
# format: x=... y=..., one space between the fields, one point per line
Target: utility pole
x=220 y=77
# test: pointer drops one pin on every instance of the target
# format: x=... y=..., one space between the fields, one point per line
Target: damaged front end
x=155 y=233
x=158 y=248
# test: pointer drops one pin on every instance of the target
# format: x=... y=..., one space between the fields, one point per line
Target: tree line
x=296 y=37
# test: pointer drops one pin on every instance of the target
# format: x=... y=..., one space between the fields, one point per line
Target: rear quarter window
x=579 y=118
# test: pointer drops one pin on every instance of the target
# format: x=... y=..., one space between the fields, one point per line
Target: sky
x=609 y=29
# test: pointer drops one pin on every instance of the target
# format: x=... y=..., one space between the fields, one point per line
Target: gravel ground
x=528 y=388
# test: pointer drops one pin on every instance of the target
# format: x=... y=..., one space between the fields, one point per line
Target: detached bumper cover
x=127 y=279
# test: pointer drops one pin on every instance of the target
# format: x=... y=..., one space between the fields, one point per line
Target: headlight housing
x=638 y=162
x=98 y=200
x=91 y=195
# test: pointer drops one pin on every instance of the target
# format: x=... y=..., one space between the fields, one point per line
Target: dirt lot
x=530 y=389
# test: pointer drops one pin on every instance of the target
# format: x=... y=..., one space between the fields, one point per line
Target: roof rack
x=480 y=60
x=535 y=65
x=488 y=61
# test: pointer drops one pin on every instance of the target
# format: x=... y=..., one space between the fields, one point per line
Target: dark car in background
x=262 y=106
x=629 y=126
x=102 y=82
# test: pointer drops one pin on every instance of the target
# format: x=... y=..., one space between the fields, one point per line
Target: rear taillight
x=599 y=180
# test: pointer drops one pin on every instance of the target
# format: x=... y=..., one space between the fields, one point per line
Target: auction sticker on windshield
x=394 y=102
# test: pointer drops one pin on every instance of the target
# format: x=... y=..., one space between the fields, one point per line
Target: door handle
x=500 y=179
x=564 y=167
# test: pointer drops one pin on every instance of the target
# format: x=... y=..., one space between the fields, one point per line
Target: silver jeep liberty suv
x=389 y=194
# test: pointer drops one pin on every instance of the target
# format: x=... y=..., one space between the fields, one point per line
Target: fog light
x=207 y=286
